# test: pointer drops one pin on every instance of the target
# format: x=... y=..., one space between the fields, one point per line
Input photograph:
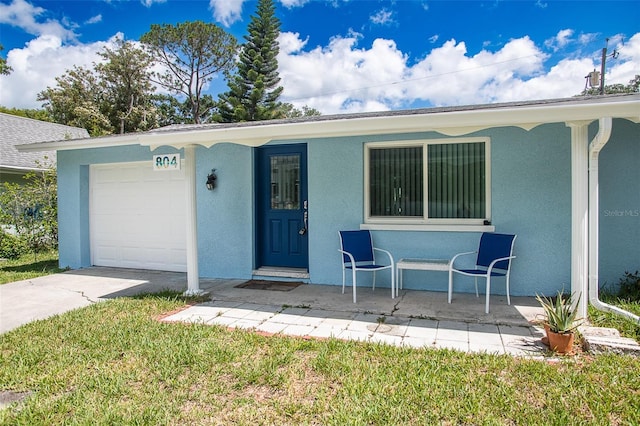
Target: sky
x=346 y=56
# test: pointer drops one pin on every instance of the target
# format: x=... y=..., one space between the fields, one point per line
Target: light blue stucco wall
x=225 y=215
x=619 y=203
x=530 y=194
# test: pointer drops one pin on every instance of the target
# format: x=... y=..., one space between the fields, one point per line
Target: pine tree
x=253 y=92
x=192 y=54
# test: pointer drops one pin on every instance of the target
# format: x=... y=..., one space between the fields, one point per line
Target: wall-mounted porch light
x=211 y=180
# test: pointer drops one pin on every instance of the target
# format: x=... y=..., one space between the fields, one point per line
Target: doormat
x=270 y=285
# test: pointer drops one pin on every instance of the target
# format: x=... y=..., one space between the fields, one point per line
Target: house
x=563 y=174
x=15 y=130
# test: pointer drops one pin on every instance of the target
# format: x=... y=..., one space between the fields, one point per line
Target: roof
x=453 y=121
x=16 y=130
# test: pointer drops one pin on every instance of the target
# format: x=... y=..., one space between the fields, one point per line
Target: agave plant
x=561 y=313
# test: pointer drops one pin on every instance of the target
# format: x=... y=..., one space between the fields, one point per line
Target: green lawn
x=115 y=363
x=26 y=267
x=627 y=327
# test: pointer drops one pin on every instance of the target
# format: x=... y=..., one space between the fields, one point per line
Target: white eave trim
x=65 y=145
x=20 y=169
x=450 y=122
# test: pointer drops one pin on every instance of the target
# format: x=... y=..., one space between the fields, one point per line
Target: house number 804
x=166 y=162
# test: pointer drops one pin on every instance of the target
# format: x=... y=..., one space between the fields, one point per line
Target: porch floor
x=414 y=318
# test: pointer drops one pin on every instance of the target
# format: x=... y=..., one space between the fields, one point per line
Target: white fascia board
x=66 y=145
x=20 y=169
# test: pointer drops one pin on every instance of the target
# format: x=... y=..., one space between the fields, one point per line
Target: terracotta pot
x=561 y=343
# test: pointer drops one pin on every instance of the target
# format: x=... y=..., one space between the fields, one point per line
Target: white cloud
x=382 y=17
x=290 y=4
x=226 y=11
x=229 y=11
x=38 y=64
x=94 y=20
x=587 y=38
x=149 y=3
x=627 y=65
x=561 y=40
x=27 y=17
x=343 y=77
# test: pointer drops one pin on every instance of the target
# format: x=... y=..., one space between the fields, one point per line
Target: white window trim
x=425 y=224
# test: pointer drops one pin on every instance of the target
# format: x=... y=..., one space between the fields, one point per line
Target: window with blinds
x=428 y=181
x=396 y=181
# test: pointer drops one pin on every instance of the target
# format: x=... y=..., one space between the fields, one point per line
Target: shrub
x=630 y=287
x=31 y=209
x=11 y=247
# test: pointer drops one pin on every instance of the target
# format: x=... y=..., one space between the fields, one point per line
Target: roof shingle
x=15 y=130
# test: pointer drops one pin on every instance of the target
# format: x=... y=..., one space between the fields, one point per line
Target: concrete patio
x=414 y=318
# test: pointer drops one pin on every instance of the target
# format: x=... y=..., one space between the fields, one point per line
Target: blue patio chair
x=494 y=260
x=358 y=255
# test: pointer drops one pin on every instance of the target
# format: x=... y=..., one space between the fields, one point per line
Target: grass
x=25 y=267
x=626 y=326
x=115 y=363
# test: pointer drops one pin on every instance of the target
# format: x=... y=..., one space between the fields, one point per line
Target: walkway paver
x=411 y=332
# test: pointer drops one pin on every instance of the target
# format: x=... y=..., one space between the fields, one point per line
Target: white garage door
x=137 y=217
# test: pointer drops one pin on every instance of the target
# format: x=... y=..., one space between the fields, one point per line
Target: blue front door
x=281 y=202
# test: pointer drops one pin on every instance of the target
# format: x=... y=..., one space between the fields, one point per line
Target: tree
x=611 y=89
x=77 y=101
x=253 y=92
x=289 y=111
x=193 y=53
x=36 y=114
x=4 y=68
x=126 y=81
x=170 y=110
x=115 y=96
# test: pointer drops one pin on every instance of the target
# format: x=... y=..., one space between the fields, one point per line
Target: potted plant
x=561 y=321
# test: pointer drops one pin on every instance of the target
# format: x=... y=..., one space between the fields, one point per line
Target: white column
x=580 y=213
x=193 y=281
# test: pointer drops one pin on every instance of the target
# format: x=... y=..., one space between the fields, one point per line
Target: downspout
x=599 y=141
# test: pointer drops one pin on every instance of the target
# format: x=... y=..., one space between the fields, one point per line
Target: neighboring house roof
x=455 y=120
x=16 y=130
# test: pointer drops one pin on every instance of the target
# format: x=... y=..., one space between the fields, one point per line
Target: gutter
x=599 y=141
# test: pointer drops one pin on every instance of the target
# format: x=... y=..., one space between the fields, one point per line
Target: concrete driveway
x=24 y=301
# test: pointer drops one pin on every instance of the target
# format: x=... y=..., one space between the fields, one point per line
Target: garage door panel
x=137 y=217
